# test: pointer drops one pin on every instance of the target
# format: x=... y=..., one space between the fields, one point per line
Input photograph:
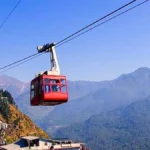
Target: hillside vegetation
x=18 y=123
x=125 y=128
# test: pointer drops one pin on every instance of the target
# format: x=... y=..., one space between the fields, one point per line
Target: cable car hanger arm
x=55 y=70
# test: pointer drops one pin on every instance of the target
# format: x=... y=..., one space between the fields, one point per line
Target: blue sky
x=120 y=46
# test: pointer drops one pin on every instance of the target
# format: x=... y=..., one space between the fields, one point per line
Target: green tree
x=10 y=98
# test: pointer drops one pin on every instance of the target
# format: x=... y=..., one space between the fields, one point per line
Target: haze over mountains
x=13 y=85
x=85 y=98
x=124 y=128
x=119 y=92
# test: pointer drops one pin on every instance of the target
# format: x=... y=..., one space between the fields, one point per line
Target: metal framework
x=55 y=70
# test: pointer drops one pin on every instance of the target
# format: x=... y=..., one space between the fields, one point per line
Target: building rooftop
x=30 y=138
x=37 y=143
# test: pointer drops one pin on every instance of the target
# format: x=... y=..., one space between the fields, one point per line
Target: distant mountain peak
x=140 y=72
x=13 y=85
x=142 y=69
x=143 y=73
x=5 y=79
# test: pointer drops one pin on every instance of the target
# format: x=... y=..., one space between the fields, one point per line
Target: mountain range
x=14 y=86
x=125 y=128
x=109 y=95
x=86 y=98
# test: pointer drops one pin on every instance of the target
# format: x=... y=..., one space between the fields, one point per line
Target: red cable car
x=49 y=88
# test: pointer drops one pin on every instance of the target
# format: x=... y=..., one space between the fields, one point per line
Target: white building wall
x=42 y=146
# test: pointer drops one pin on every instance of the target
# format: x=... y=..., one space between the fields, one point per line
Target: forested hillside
x=125 y=128
x=18 y=123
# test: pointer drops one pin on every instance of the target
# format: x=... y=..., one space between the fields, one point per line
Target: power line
x=9 y=14
x=63 y=41
x=104 y=22
x=18 y=61
x=96 y=21
x=22 y=62
x=70 y=35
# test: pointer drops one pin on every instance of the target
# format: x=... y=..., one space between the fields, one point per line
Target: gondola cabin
x=48 y=90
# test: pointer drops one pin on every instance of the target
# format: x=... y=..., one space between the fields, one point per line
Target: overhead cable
x=9 y=14
x=21 y=63
x=96 y=22
x=103 y=22
x=18 y=61
x=67 y=39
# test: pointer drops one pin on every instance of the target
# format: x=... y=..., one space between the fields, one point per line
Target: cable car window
x=32 y=86
x=32 y=94
x=46 y=80
x=58 y=88
x=63 y=81
x=55 y=88
x=54 y=81
x=64 y=89
x=47 y=88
